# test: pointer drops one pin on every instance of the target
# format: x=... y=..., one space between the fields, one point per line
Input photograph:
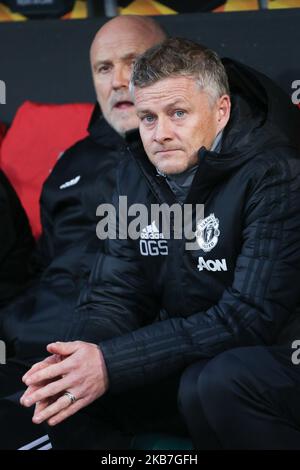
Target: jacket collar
x=213 y=167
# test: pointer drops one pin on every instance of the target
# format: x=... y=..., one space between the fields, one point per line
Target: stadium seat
x=39 y=134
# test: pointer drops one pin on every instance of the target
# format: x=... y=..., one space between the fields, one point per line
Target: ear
x=223 y=112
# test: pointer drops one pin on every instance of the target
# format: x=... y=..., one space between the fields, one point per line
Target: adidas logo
x=70 y=183
x=43 y=443
x=152 y=242
x=151 y=232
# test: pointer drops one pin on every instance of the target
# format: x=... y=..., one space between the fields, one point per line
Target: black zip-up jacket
x=83 y=178
x=16 y=244
x=241 y=286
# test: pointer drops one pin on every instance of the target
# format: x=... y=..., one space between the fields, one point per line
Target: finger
x=33 y=388
x=67 y=412
x=50 y=372
x=51 y=410
x=40 y=406
x=27 y=393
x=41 y=365
x=35 y=368
x=46 y=392
x=64 y=349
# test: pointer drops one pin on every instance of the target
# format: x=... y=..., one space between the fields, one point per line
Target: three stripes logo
x=43 y=443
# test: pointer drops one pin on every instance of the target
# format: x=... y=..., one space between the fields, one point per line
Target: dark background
x=48 y=60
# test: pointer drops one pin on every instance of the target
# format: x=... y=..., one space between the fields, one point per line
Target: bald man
x=82 y=179
x=114 y=48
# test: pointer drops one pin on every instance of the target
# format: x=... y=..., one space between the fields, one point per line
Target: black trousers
x=16 y=427
x=244 y=398
x=111 y=422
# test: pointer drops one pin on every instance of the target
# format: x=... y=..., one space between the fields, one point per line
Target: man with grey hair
x=83 y=178
x=220 y=134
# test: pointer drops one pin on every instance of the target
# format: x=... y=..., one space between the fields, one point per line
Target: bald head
x=142 y=27
x=113 y=51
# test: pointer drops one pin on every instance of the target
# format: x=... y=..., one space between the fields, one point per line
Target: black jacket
x=83 y=178
x=245 y=289
x=16 y=244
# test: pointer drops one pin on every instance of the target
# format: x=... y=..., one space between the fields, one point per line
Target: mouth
x=123 y=105
x=163 y=152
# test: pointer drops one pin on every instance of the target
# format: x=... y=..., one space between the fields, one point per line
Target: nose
x=121 y=76
x=163 y=130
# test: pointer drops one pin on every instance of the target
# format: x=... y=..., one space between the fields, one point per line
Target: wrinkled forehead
x=166 y=92
x=112 y=47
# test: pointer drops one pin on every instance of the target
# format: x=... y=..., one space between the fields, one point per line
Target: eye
x=148 y=119
x=179 y=113
x=103 y=68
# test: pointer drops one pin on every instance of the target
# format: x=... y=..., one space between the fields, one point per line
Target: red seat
x=37 y=137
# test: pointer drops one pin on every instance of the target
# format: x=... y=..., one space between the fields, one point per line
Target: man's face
x=112 y=57
x=176 y=120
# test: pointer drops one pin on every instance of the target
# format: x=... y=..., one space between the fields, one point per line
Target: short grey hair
x=181 y=57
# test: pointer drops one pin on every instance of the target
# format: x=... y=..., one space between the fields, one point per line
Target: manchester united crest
x=207 y=233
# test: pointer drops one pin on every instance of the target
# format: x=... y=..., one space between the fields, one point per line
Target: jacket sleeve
x=44 y=251
x=251 y=311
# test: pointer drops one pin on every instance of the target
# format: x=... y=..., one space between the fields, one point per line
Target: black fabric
x=109 y=423
x=112 y=422
x=192 y=411
x=245 y=398
x=68 y=243
x=17 y=429
x=253 y=188
x=16 y=244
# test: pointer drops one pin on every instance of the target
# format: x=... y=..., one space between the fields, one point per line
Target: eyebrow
x=143 y=111
x=130 y=55
x=178 y=102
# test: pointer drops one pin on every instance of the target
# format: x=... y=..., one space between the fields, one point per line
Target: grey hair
x=181 y=57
